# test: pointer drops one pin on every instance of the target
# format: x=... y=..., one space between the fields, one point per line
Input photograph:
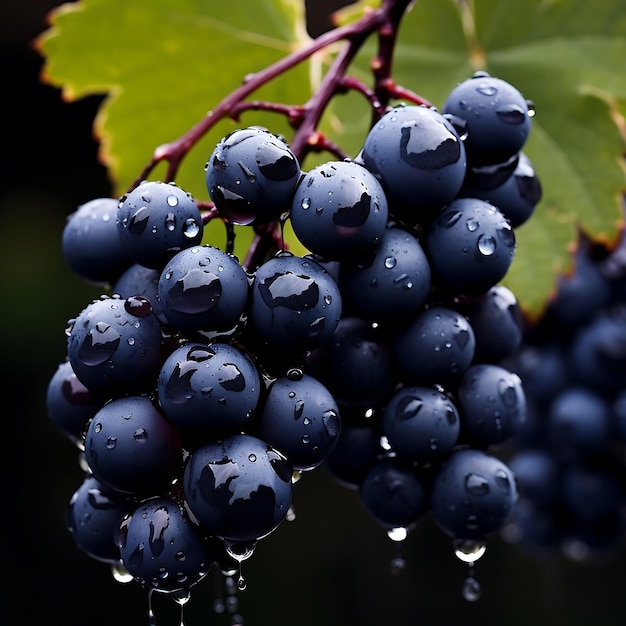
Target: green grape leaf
x=567 y=56
x=162 y=66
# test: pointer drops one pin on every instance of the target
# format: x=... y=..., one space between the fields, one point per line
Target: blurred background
x=331 y=565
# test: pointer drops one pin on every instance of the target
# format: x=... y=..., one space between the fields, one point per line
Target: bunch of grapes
x=570 y=455
x=198 y=389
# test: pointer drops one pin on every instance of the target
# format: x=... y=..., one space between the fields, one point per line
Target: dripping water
x=151 y=616
x=469 y=551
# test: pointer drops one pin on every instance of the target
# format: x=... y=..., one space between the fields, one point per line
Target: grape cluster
x=570 y=455
x=199 y=390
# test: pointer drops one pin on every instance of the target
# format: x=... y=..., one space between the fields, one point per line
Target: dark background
x=330 y=566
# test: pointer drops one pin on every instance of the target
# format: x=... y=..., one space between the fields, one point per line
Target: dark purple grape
x=141 y=281
x=580 y=294
x=212 y=388
x=421 y=424
x=419 y=158
x=498 y=325
x=70 y=404
x=203 y=288
x=251 y=176
x=161 y=548
x=295 y=302
x=355 y=364
x=391 y=283
x=539 y=475
x=513 y=187
x=156 y=220
x=592 y=493
x=301 y=418
x=132 y=447
x=537 y=530
x=578 y=422
x=436 y=347
x=355 y=452
x=471 y=246
x=597 y=354
x=472 y=494
x=239 y=488
x=91 y=244
x=543 y=369
x=93 y=515
x=492 y=404
x=114 y=345
x=393 y=494
x=339 y=210
x=496 y=116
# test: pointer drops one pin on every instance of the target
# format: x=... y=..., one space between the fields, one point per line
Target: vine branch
x=303 y=118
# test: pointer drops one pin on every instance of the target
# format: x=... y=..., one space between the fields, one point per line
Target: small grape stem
x=304 y=119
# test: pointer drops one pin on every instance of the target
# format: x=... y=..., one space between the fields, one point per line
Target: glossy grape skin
x=470 y=245
x=421 y=424
x=339 y=210
x=91 y=244
x=419 y=158
x=93 y=515
x=492 y=403
x=472 y=494
x=132 y=447
x=251 y=176
x=301 y=418
x=436 y=347
x=114 y=345
x=203 y=288
x=390 y=284
x=513 y=187
x=295 y=302
x=496 y=115
x=393 y=494
x=70 y=405
x=355 y=364
x=161 y=548
x=157 y=219
x=498 y=325
x=141 y=281
x=355 y=452
x=239 y=488
x=209 y=388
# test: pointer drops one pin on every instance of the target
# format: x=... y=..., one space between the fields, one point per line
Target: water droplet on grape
x=453 y=219
x=486 y=245
x=487 y=90
x=468 y=550
x=476 y=484
x=138 y=221
x=141 y=435
x=191 y=228
x=398 y=534
x=170 y=222
x=120 y=573
x=511 y=114
x=472 y=224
